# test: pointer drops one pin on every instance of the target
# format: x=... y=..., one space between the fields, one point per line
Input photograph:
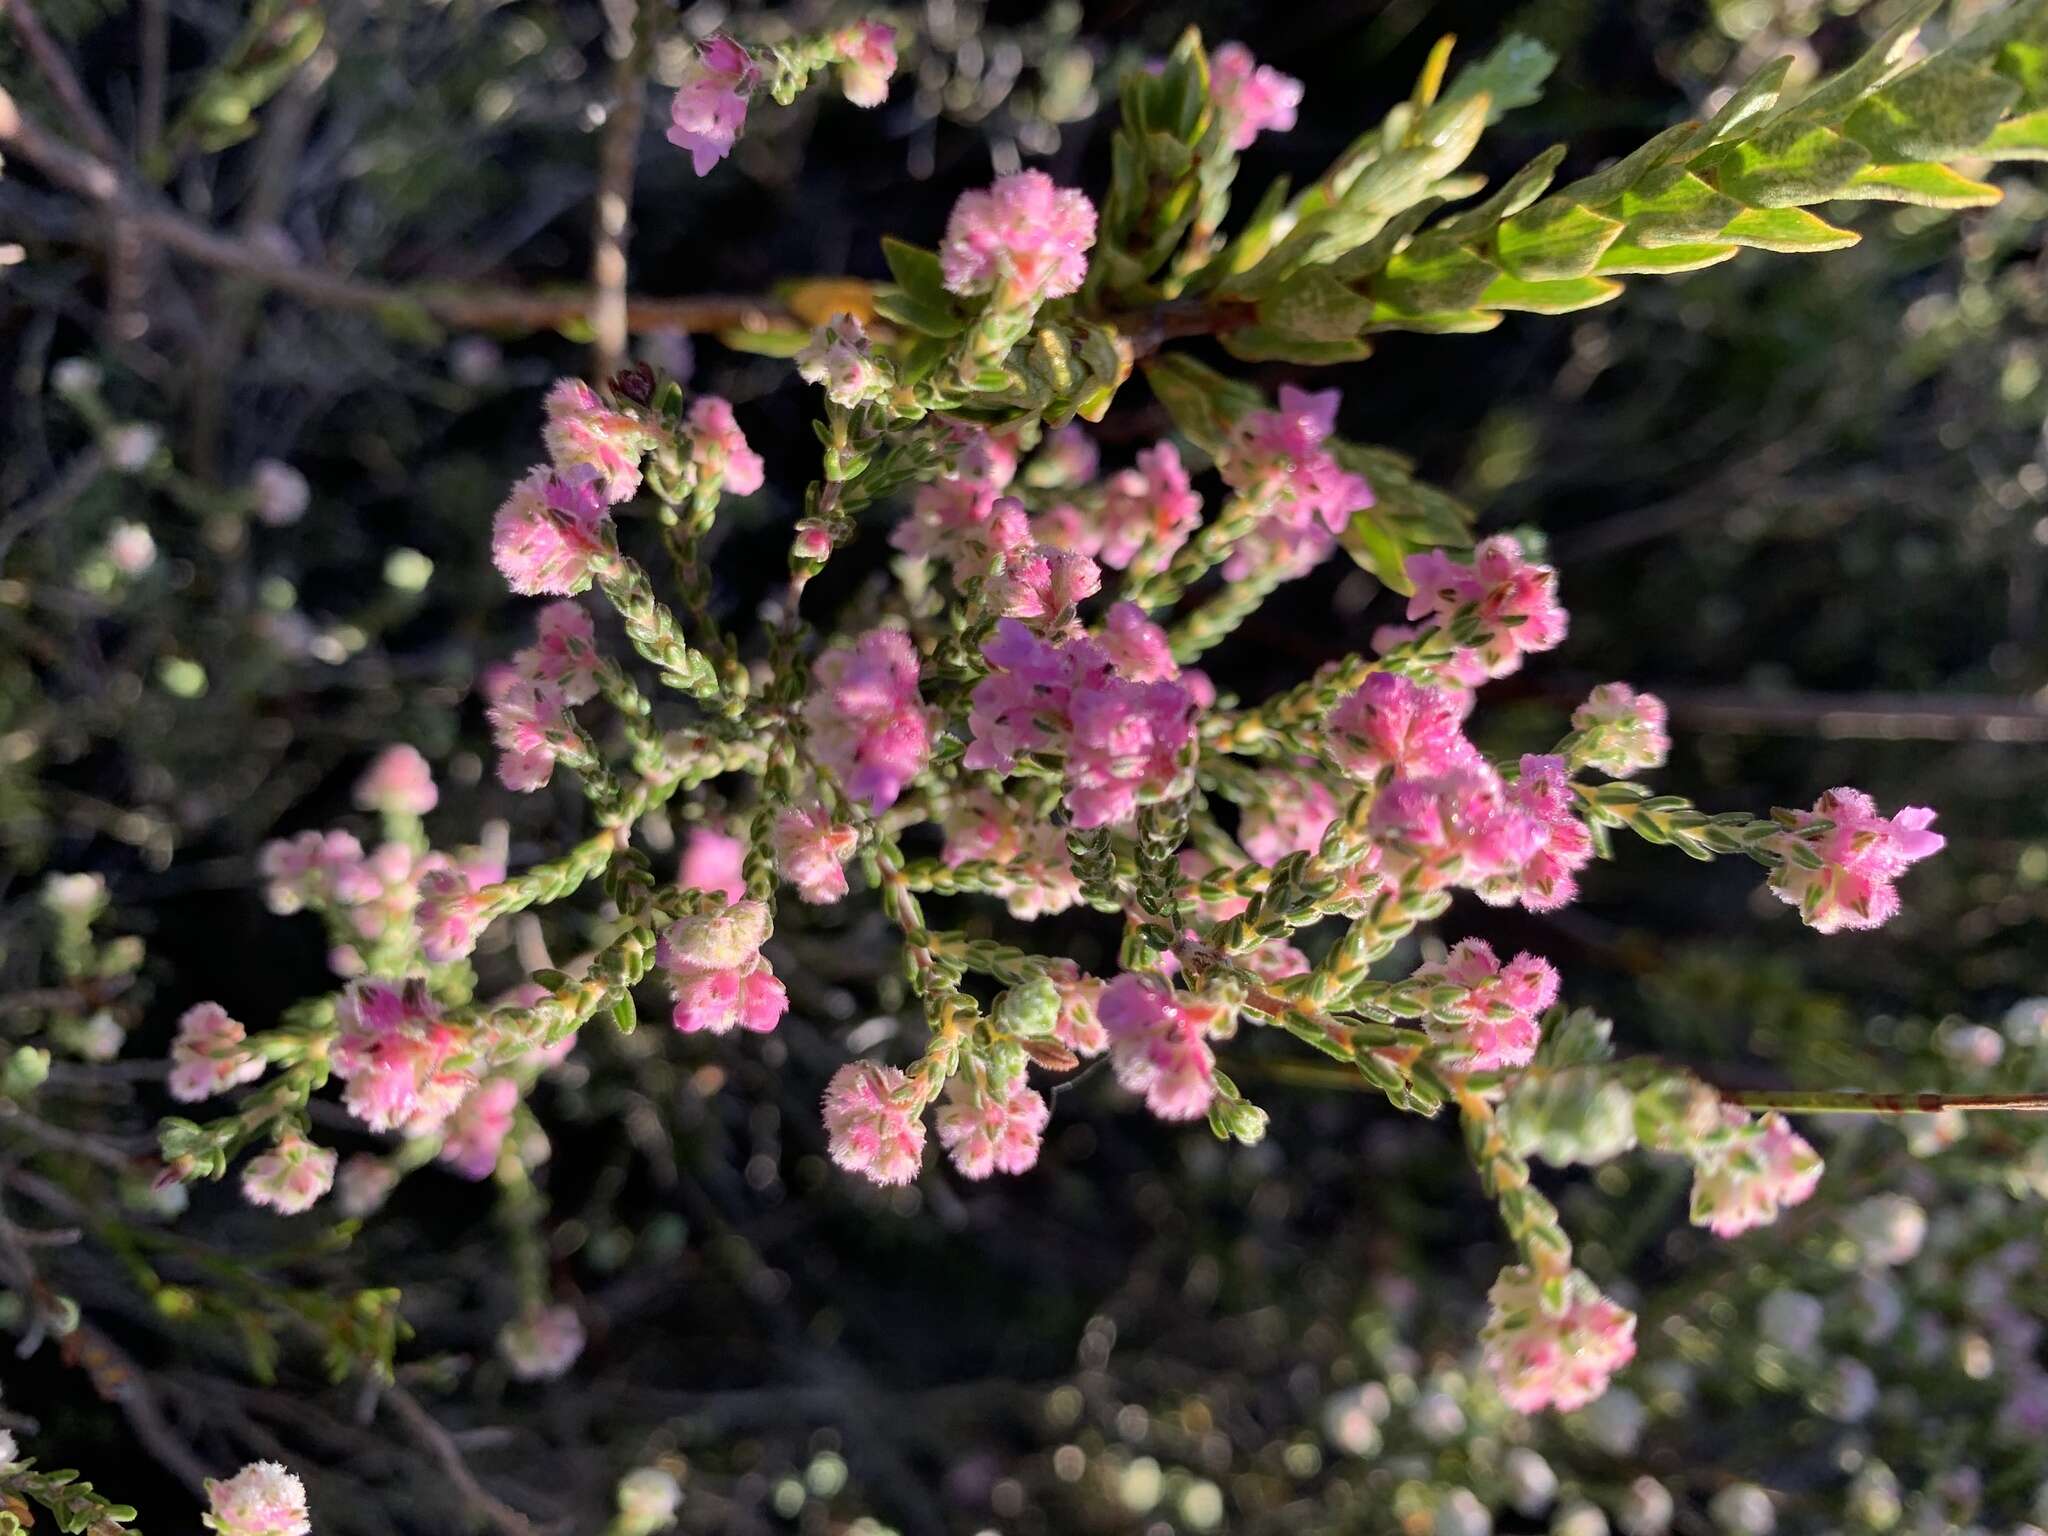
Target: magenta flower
x=1496 y=1026
x=868 y=724
x=717 y=973
x=1746 y=1179
x=710 y=106
x=961 y=517
x=263 y=1499
x=989 y=1130
x=1393 y=723
x=714 y=861
x=1293 y=813
x=1250 y=98
x=811 y=850
x=398 y=782
x=718 y=449
x=1860 y=856
x=551 y=535
x=542 y=1343
x=1622 y=732
x=1450 y=827
x=1549 y=844
x=1512 y=599
x=584 y=432
x=564 y=652
x=1558 y=1350
x=208 y=1056
x=476 y=1132
x=873 y=1124
x=1281 y=459
x=529 y=721
x=291 y=1177
x=866 y=55
x=1044 y=583
x=1158 y=1045
x=1024 y=237
x=1150 y=510
x=400 y=1058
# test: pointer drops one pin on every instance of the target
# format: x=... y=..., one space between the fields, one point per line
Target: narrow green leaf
x=1433 y=274
x=1623 y=259
x=1788 y=165
x=1378 y=549
x=1931 y=186
x=1511 y=76
x=1935 y=112
x=1267 y=344
x=1515 y=194
x=1558 y=297
x=920 y=315
x=1314 y=307
x=1554 y=239
x=2023 y=138
x=1671 y=206
x=916 y=270
x=1460 y=322
x=1791 y=230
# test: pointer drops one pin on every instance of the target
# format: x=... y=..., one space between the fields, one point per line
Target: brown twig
x=502 y=1516
x=64 y=84
x=627 y=41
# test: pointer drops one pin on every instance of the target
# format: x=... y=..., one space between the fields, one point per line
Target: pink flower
x=840 y=361
x=1744 y=1180
x=564 y=652
x=262 y=1499
x=717 y=973
x=989 y=1130
x=811 y=850
x=714 y=861
x=476 y=1132
x=290 y=1177
x=1622 y=732
x=1496 y=1026
x=1393 y=723
x=710 y=106
x=584 y=432
x=1450 y=827
x=1079 y=1026
x=1250 y=98
x=281 y=492
x=873 y=1124
x=451 y=915
x=1067 y=457
x=1462 y=669
x=400 y=1059
x=1151 y=510
x=528 y=721
x=397 y=783
x=1511 y=598
x=982 y=825
x=364 y=1184
x=1024 y=236
x=1551 y=845
x=1291 y=817
x=962 y=517
x=866 y=55
x=1859 y=856
x=1281 y=459
x=208 y=1057
x=718 y=449
x=550 y=536
x=1157 y=1045
x=542 y=1342
x=868 y=724
x=1138 y=648
x=1553 y=1344
x=313 y=869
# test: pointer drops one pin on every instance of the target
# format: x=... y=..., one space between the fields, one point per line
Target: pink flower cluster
x=476 y=1132
x=1496 y=1025
x=986 y=1128
x=873 y=1121
x=529 y=721
x=710 y=105
x=866 y=55
x=398 y=782
x=1621 y=732
x=840 y=361
x=714 y=861
x=962 y=517
x=1860 y=855
x=263 y=1499
x=1747 y=1179
x=1250 y=98
x=1281 y=460
x=208 y=1056
x=290 y=1177
x=1394 y=724
x=1546 y=844
x=1159 y=1046
x=1292 y=814
x=983 y=825
x=1115 y=705
x=564 y=653
x=717 y=973
x=374 y=894
x=583 y=432
x=1024 y=237
x=1553 y=1350
x=719 y=450
x=542 y=1342
x=1463 y=825
x=1511 y=598
x=405 y=1066
x=553 y=533
x=811 y=850
x=1147 y=511
x=868 y=725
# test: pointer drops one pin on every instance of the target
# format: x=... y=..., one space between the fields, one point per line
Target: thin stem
x=1849 y=1101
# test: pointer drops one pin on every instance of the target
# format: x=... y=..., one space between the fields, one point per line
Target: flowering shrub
x=1020 y=716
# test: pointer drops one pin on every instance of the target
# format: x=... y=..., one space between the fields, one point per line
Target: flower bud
x=1030 y=1009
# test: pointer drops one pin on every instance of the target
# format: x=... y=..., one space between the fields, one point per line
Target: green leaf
x=766 y=343
x=1267 y=344
x=1604 y=186
x=1315 y=307
x=1378 y=549
x=916 y=270
x=1671 y=206
x=1936 y=112
x=1623 y=259
x=2023 y=138
x=1754 y=97
x=1202 y=402
x=1931 y=186
x=1554 y=239
x=1515 y=194
x=1791 y=230
x=1458 y=322
x=1511 y=76
x=1788 y=165
x=1433 y=273
x=919 y=314
x=1834 y=98
x=1558 y=297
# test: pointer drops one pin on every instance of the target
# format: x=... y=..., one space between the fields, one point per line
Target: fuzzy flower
x=1038 y=874
x=1282 y=459
x=290 y=1177
x=868 y=724
x=1553 y=1351
x=1511 y=598
x=262 y=1499
x=583 y=432
x=1250 y=98
x=717 y=973
x=399 y=1057
x=710 y=106
x=1450 y=827
x=811 y=850
x=1292 y=814
x=1067 y=457
x=1045 y=584
x=873 y=1124
x=208 y=1056
x=718 y=449
x=564 y=652
x=476 y=1132
x=714 y=861
x=1496 y=1026
x=1622 y=732
x=989 y=1130
x=1550 y=844
x=549 y=537
x=866 y=55
x=1860 y=856
x=542 y=1342
x=314 y=869
x=281 y=493
x=1158 y=1045
x=1391 y=722
x=398 y=782
x=529 y=720
x=1024 y=235
x=1746 y=1180
x=839 y=360
x=1150 y=510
